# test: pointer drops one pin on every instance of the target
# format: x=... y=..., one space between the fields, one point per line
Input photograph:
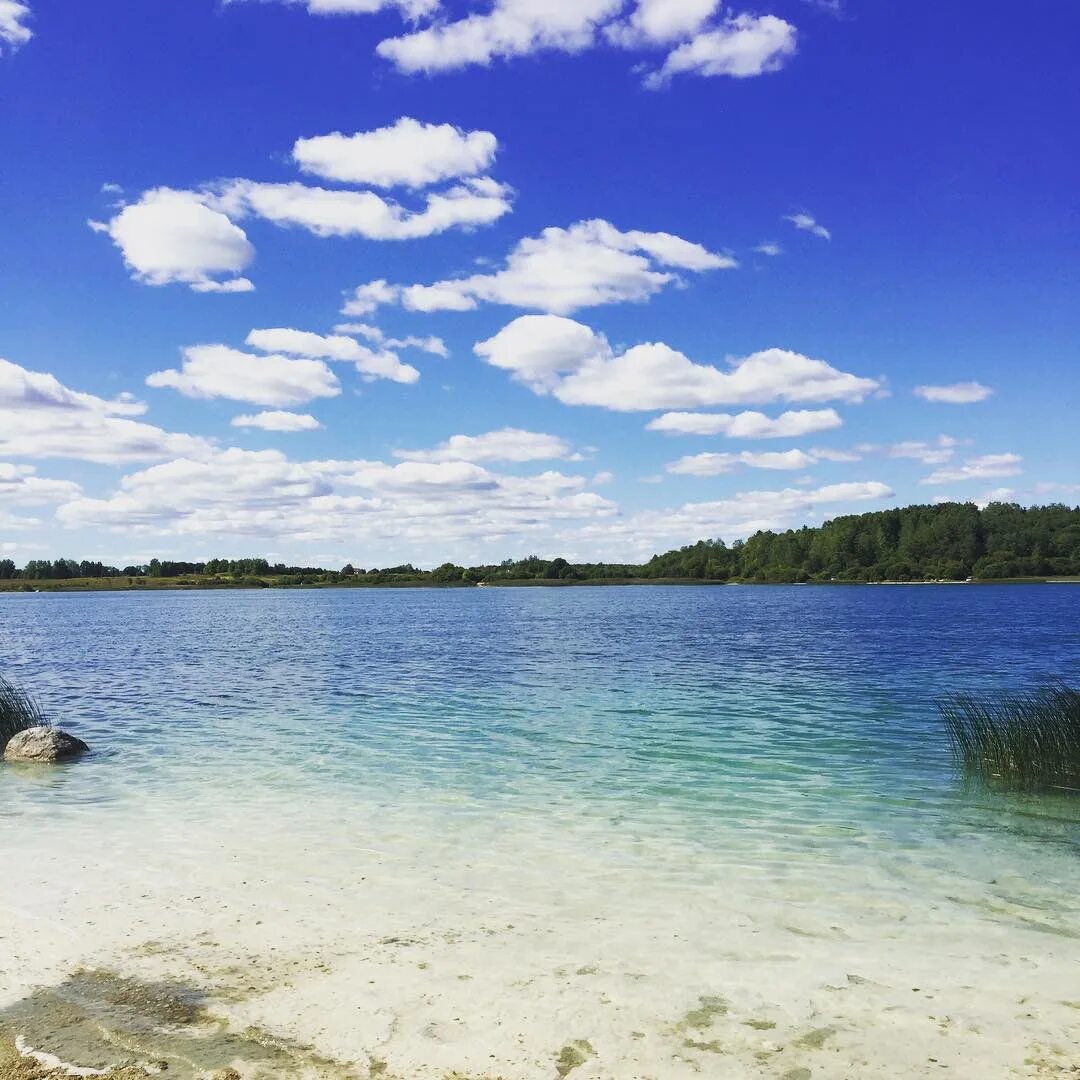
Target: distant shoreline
x=150 y=585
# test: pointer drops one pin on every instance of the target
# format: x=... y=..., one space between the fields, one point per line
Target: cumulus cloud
x=807 y=223
x=512 y=28
x=42 y=418
x=20 y=486
x=770 y=248
x=191 y=237
x=659 y=22
x=559 y=271
x=264 y=494
x=384 y=364
x=538 y=350
x=655 y=376
x=741 y=47
x=747 y=425
x=173 y=236
x=407 y=153
x=278 y=420
x=14 y=32
x=715 y=464
x=332 y=212
x=508 y=444
x=428 y=343
x=365 y=299
x=962 y=393
x=293 y=371
x=983 y=467
x=217 y=371
x=559 y=356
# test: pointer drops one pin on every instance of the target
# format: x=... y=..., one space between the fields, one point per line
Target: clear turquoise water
x=701 y=709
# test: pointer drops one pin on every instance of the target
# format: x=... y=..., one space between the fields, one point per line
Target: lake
x=623 y=832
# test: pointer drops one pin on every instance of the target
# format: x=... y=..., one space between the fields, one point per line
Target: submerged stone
x=43 y=744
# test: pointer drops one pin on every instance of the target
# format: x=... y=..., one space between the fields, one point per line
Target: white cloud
x=364 y=330
x=429 y=344
x=191 y=236
x=569 y=360
x=984 y=467
x=588 y=264
x=173 y=236
x=807 y=223
x=655 y=376
x=42 y=418
x=962 y=393
x=364 y=299
x=539 y=349
x=370 y=364
x=511 y=28
x=661 y=22
x=508 y=444
x=212 y=371
x=20 y=487
x=741 y=47
x=38 y=390
x=770 y=248
x=407 y=153
x=264 y=494
x=334 y=212
x=278 y=420
x=13 y=29
x=232 y=285
x=715 y=464
x=747 y=425
x=410 y=9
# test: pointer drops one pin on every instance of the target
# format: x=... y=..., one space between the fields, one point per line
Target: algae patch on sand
x=709 y=1008
x=100 y=1020
x=816 y=1039
x=572 y=1056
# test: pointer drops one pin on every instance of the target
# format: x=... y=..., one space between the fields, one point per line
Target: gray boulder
x=43 y=744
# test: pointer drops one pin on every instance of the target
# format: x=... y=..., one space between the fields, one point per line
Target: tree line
x=947 y=541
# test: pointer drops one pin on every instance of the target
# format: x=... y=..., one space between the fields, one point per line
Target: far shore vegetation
x=943 y=542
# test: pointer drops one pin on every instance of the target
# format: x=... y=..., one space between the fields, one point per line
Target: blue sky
x=693 y=263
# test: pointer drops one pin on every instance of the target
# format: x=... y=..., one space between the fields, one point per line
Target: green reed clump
x=18 y=711
x=1022 y=740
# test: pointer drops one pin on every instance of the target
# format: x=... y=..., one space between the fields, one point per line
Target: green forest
x=943 y=542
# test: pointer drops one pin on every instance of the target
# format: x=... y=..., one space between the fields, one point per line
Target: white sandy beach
x=399 y=948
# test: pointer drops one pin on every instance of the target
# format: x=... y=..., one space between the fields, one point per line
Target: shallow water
x=399 y=825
